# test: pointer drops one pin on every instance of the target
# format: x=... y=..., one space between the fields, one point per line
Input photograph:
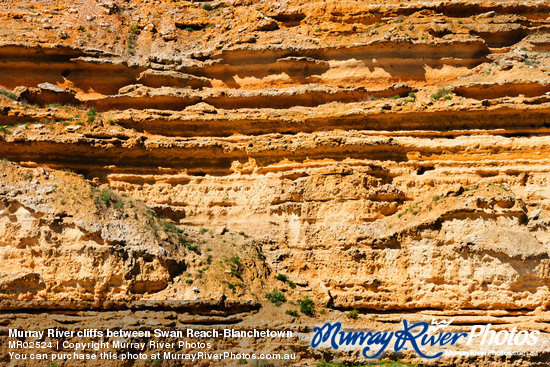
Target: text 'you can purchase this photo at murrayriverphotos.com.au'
x=267 y=183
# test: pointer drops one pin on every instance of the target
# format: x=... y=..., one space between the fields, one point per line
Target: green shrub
x=232 y=286
x=91 y=115
x=193 y=248
x=105 y=196
x=292 y=313
x=132 y=32
x=207 y=7
x=283 y=278
x=353 y=314
x=307 y=306
x=8 y=94
x=276 y=297
x=291 y=284
x=235 y=266
x=442 y=92
x=169 y=227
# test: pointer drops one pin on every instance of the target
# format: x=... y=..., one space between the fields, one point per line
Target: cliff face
x=382 y=156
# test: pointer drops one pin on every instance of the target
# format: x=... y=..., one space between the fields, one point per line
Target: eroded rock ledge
x=390 y=158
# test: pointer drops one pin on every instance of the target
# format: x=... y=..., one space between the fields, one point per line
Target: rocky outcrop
x=390 y=158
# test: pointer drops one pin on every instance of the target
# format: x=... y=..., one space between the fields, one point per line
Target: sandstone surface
x=165 y=160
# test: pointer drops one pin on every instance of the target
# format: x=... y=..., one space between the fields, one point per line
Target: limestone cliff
x=175 y=156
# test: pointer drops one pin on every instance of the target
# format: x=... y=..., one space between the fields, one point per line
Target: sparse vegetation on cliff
x=307 y=306
x=8 y=94
x=283 y=278
x=442 y=93
x=92 y=114
x=293 y=313
x=132 y=34
x=276 y=297
x=353 y=314
x=344 y=139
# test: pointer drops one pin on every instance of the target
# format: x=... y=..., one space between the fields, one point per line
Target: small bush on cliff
x=154 y=362
x=188 y=245
x=283 y=278
x=169 y=227
x=276 y=297
x=442 y=92
x=105 y=196
x=91 y=115
x=231 y=286
x=323 y=363
x=307 y=306
x=353 y=314
x=8 y=94
x=235 y=266
x=207 y=7
x=292 y=313
x=133 y=30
